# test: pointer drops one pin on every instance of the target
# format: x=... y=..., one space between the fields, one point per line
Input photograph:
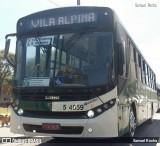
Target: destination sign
x=63 y=20
x=46 y=40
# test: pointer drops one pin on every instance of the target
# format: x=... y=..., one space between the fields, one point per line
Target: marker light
x=20 y=111
x=90 y=130
x=15 y=108
x=94 y=112
x=90 y=114
x=99 y=110
x=106 y=106
x=111 y=102
x=16 y=101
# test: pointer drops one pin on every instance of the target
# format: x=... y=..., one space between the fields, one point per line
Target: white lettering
x=44 y=23
x=73 y=19
x=66 y=20
x=91 y=17
x=139 y=140
x=79 y=19
x=62 y=20
x=35 y=23
x=51 y=22
x=84 y=17
x=41 y=23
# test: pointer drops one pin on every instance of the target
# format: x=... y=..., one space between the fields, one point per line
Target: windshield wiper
x=74 y=37
x=48 y=53
x=38 y=40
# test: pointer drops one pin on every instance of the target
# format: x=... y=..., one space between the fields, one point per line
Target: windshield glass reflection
x=83 y=60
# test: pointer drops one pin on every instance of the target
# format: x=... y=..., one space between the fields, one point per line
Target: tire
x=132 y=123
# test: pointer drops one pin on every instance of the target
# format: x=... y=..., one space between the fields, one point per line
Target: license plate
x=49 y=126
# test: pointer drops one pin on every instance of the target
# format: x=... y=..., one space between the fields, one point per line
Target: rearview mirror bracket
x=7 y=46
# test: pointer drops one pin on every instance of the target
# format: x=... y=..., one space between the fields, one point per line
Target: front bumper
x=104 y=125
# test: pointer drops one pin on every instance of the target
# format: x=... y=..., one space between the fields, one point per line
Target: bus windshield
x=67 y=59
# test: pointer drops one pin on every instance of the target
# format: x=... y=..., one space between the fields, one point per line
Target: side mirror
x=7 y=45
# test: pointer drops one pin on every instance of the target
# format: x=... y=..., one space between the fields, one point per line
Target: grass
x=4 y=110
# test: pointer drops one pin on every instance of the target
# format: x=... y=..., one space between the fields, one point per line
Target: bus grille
x=61 y=97
x=55 y=115
x=63 y=130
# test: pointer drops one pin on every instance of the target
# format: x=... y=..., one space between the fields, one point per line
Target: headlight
x=90 y=114
x=100 y=109
x=20 y=111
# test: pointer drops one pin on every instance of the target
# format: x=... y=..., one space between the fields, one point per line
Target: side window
x=122 y=51
x=149 y=77
x=125 y=55
x=143 y=72
x=154 y=80
x=133 y=62
x=146 y=74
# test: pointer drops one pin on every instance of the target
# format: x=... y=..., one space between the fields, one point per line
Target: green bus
x=78 y=73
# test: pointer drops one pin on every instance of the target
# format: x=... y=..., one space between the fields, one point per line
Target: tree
x=6 y=71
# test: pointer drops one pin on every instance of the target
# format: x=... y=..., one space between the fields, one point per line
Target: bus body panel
x=133 y=88
x=104 y=125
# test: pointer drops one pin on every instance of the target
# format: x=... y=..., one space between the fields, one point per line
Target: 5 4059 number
x=73 y=107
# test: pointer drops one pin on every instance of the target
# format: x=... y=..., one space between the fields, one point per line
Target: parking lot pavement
x=145 y=130
x=5 y=132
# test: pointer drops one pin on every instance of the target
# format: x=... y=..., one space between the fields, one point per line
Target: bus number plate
x=50 y=126
x=73 y=107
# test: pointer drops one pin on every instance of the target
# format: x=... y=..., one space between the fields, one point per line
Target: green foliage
x=6 y=71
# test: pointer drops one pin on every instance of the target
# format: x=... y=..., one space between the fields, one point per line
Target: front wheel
x=132 y=123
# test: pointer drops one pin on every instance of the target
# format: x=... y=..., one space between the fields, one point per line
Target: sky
x=140 y=19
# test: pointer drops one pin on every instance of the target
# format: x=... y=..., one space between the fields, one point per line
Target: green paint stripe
x=36 y=105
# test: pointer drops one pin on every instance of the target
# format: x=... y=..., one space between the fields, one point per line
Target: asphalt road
x=145 y=132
